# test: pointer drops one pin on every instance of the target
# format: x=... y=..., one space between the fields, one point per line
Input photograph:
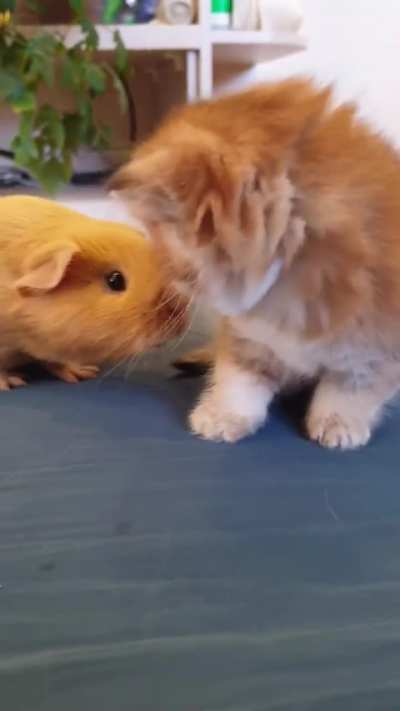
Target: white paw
x=208 y=421
x=337 y=431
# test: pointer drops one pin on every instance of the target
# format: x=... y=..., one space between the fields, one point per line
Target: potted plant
x=33 y=64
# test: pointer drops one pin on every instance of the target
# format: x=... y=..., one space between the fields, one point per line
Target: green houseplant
x=48 y=137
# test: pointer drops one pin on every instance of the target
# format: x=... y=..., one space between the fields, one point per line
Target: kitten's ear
x=140 y=183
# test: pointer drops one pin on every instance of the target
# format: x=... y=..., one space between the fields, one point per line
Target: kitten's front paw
x=337 y=431
x=208 y=421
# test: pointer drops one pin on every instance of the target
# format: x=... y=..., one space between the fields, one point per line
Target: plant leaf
x=96 y=78
x=91 y=34
x=73 y=131
x=77 y=7
x=22 y=99
x=39 y=59
x=50 y=124
x=119 y=88
x=121 y=54
x=71 y=72
x=51 y=173
x=47 y=137
x=15 y=92
x=7 y=5
x=24 y=145
x=40 y=69
x=87 y=124
x=102 y=138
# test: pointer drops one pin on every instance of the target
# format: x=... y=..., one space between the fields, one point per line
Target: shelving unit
x=246 y=48
x=138 y=38
x=203 y=47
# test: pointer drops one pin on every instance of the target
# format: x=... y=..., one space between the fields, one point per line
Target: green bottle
x=221 y=14
x=119 y=11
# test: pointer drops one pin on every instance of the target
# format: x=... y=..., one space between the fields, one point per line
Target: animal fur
x=55 y=305
x=283 y=212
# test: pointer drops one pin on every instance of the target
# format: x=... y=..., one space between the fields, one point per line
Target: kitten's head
x=217 y=224
x=215 y=197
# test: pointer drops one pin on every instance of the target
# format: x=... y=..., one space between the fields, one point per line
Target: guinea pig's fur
x=55 y=303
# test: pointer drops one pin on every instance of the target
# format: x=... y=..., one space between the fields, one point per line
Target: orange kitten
x=284 y=214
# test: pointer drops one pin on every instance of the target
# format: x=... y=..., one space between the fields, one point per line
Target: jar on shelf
x=176 y=12
x=246 y=15
x=281 y=15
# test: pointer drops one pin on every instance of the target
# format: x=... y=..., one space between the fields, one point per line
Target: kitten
x=284 y=214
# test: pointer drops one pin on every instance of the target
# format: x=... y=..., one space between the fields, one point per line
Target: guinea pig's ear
x=46 y=268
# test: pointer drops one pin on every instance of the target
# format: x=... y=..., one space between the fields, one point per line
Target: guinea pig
x=76 y=292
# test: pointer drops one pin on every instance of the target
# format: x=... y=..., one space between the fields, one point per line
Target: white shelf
x=238 y=47
x=139 y=38
x=204 y=47
x=246 y=48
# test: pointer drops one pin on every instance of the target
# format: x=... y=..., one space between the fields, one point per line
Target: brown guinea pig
x=76 y=292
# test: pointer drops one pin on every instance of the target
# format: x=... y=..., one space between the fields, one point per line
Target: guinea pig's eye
x=116 y=281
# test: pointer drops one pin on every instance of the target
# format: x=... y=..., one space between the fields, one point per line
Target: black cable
x=6 y=154
x=12 y=176
x=90 y=178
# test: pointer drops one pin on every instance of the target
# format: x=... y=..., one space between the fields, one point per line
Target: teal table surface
x=142 y=569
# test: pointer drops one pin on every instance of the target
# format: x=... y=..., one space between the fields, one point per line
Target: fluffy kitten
x=284 y=214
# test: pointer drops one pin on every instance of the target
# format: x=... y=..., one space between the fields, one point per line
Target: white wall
x=356 y=44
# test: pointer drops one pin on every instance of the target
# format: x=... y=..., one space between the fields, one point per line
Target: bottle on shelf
x=145 y=10
x=221 y=12
x=128 y=12
x=119 y=12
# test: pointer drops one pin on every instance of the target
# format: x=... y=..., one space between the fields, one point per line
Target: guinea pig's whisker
x=178 y=342
x=133 y=363
x=146 y=322
x=171 y=323
x=107 y=373
x=162 y=304
x=165 y=302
